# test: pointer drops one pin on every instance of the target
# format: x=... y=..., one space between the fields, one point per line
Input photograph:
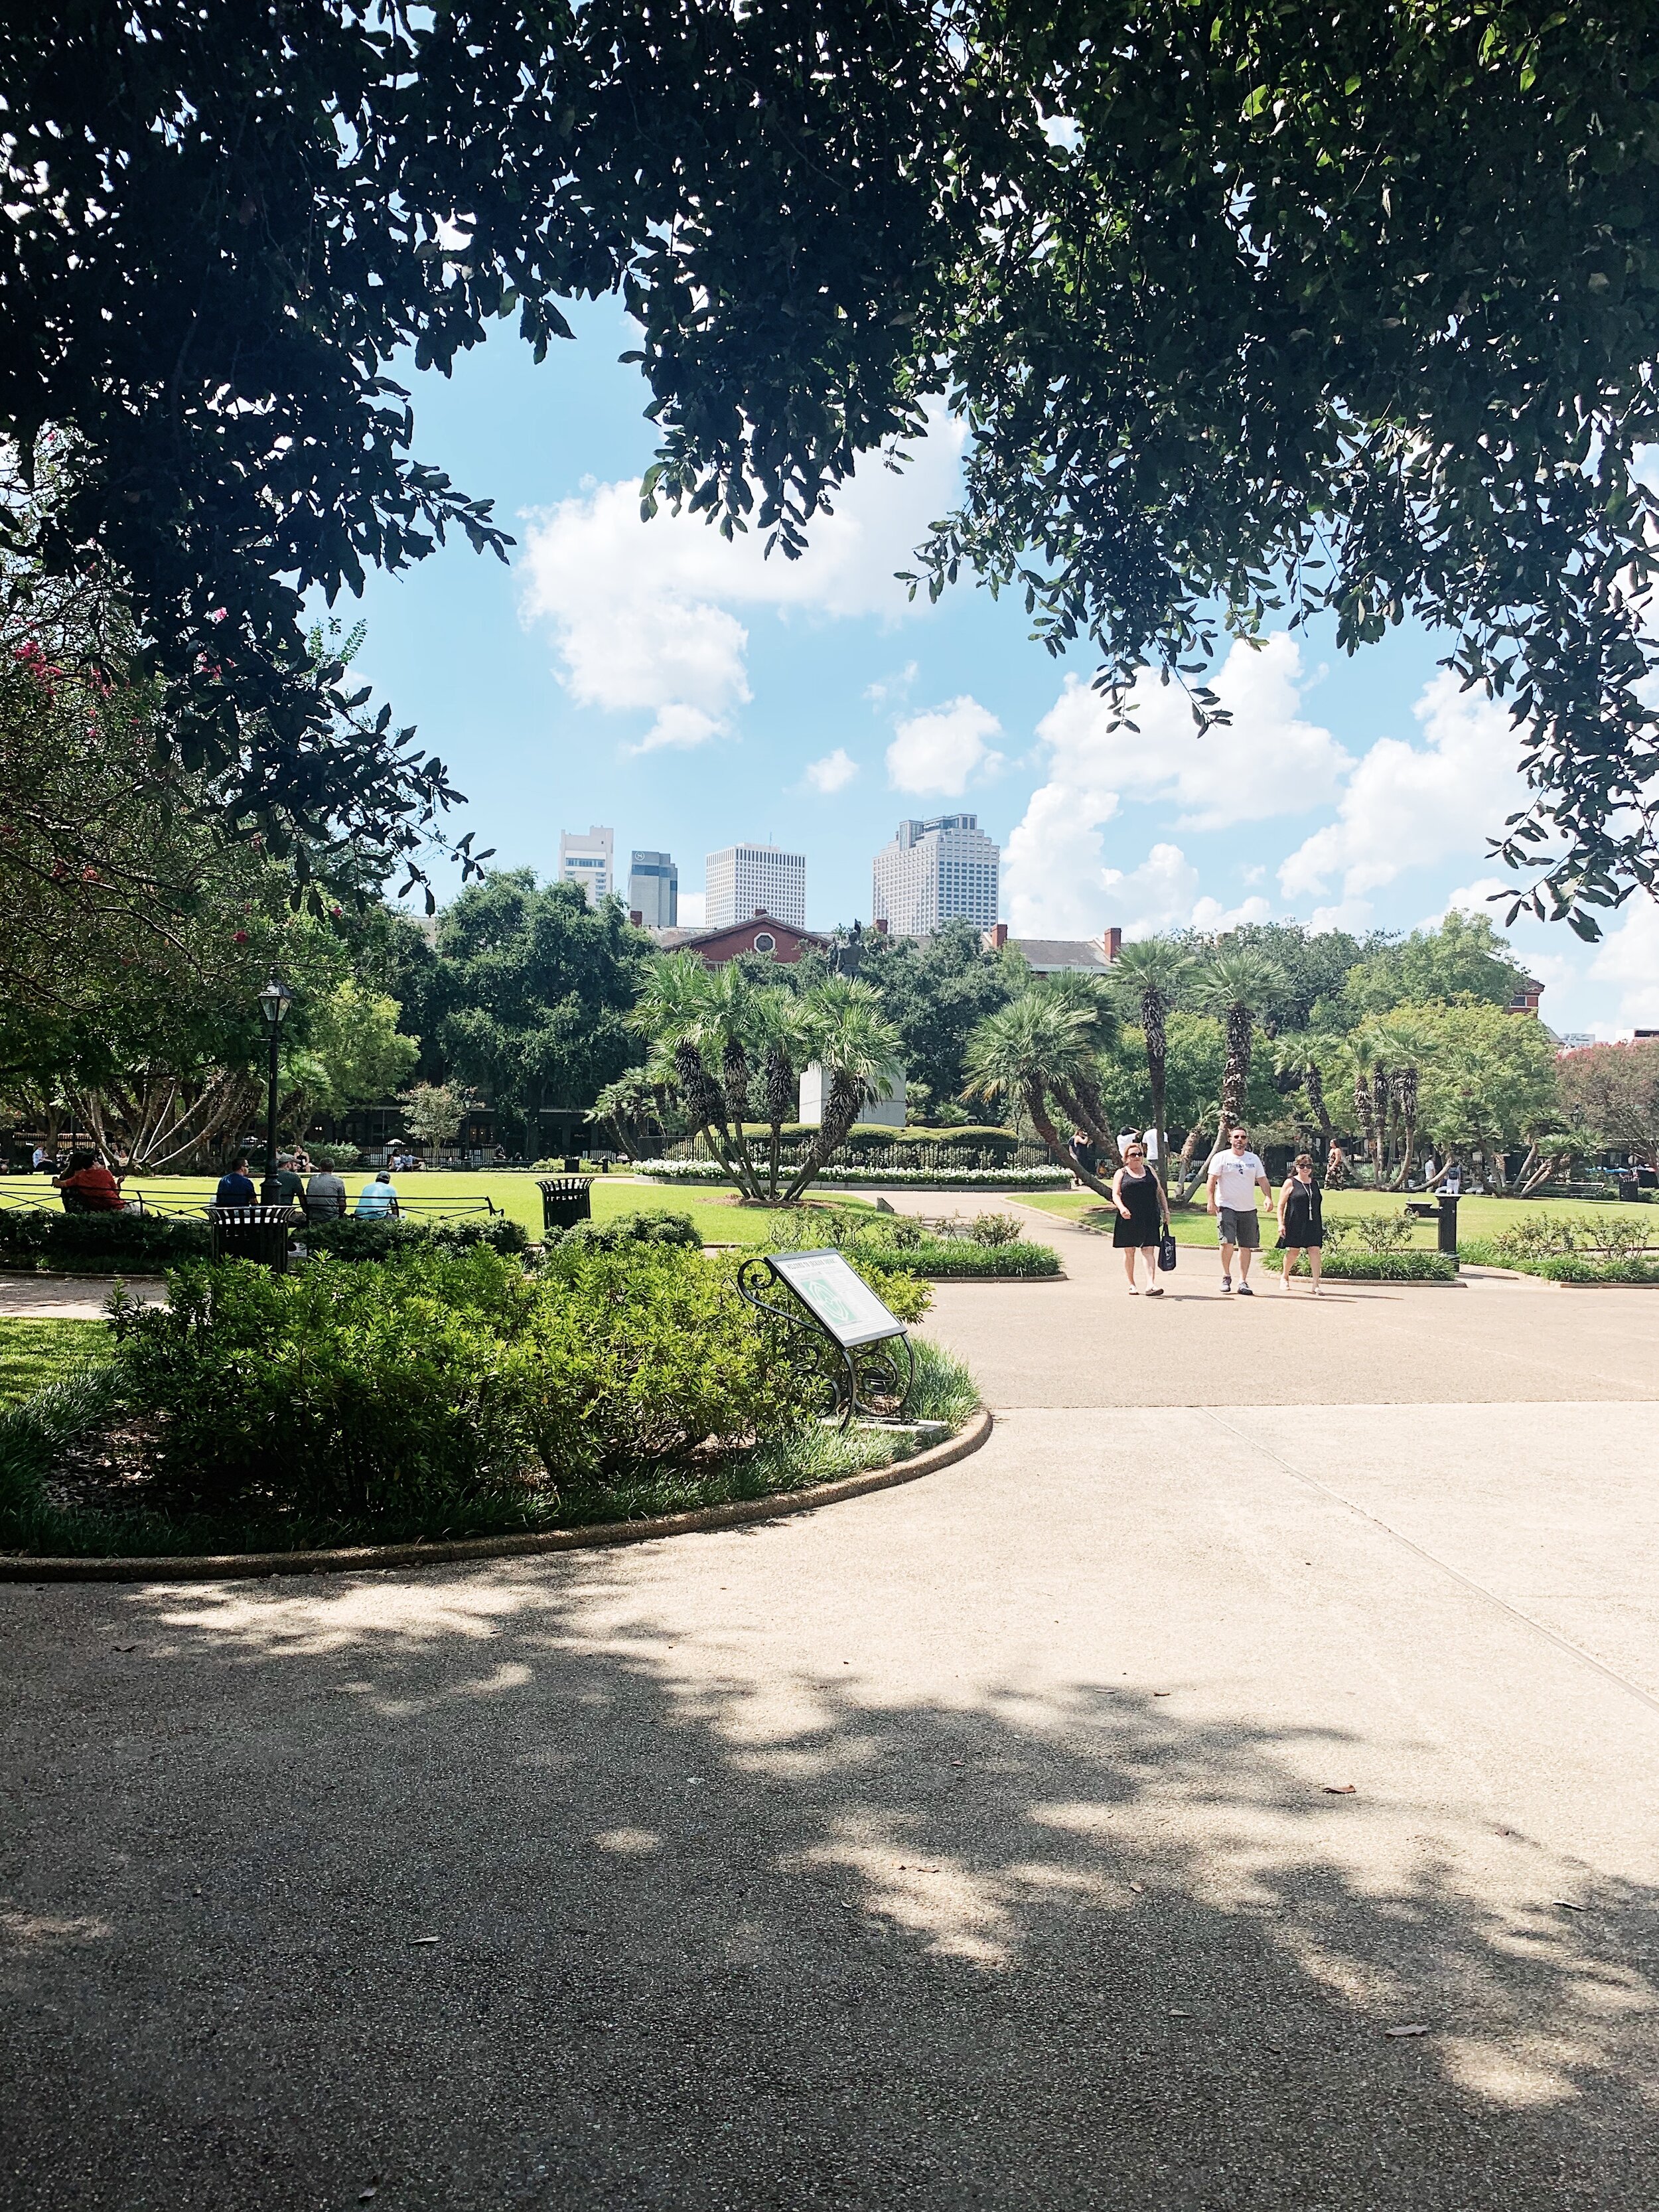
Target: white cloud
x=641 y=612
x=941 y=749
x=1266 y=761
x=691 y=908
x=891 y=686
x=1160 y=894
x=1210 y=916
x=1409 y=806
x=833 y=773
x=1474 y=898
x=1628 y=957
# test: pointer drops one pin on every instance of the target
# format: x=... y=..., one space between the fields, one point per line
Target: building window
x=764 y=941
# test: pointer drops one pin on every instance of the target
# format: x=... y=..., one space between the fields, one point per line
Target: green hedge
x=435 y=1389
x=98 y=1243
x=349 y=1239
x=941 y=1258
x=1386 y=1267
x=628 y=1232
x=1560 y=1267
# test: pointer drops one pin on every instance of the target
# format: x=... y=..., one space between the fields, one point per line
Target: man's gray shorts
x=1241 y=1224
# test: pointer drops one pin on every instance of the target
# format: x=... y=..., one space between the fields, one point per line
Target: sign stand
x=877 y=1366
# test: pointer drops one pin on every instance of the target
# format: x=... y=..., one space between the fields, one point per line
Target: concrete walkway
x=1070 y=1829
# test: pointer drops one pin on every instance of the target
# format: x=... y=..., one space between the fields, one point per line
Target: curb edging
x=244 y=1566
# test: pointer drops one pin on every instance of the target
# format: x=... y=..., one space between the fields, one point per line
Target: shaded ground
x=983 y=1842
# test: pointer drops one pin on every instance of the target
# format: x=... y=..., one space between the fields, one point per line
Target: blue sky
x=689 y=693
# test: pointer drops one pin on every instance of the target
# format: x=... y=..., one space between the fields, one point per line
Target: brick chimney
x=998 y=936
x=636 y=916
x=881 y=926
x=1111 y=943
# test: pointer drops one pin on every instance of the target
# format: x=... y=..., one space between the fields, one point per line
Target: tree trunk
x=841 y=1110
x=782 y=1092
x=1235 y=1071
x=1314 y=1084
x=1084 y=1109
x=1037 y=1107
x=1188 y=1183
x=704 y=1105
x=1157 y=1070
x=1362 y=1107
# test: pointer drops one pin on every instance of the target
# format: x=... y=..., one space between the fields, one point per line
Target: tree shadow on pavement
x=447 y=1889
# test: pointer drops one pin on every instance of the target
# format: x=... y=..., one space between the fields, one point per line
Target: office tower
x=653 y=889
x=934 y=872
x=589 y=861
x=743 y=878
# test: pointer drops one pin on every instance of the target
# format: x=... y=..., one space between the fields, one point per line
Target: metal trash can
x=566 y=1199
x=1630 y=1191
x=259 y=1233
x=573 y=1163
x=1448 y=1240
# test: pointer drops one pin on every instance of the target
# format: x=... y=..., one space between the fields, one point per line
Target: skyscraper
x=653 y=889
x=744 y=877
x=589 y=861
x=934 y=872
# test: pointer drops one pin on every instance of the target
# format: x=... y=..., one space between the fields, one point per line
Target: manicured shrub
x=1609 y=1238
x=629 y=1232
x=37 y=1238
x=1386 y=1267
x=354 y=1392
x=1380 y=1232
x=945 y=1257
x=346 y=1237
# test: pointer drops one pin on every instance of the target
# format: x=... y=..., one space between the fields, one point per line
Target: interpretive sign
x=833 y=1295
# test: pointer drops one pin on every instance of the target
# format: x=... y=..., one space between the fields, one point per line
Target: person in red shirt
x=89 y=1188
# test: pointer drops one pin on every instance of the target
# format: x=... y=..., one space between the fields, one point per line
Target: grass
x=36 y=1353
x=1480 y=1218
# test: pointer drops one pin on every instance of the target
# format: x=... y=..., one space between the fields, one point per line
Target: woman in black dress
x=1142 y=1214
x=1302 y=1219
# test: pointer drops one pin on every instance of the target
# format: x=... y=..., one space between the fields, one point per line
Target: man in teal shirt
x=378 y=1199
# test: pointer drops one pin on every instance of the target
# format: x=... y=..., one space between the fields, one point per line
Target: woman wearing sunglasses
x=1143 y=1213
x=1302 y=1219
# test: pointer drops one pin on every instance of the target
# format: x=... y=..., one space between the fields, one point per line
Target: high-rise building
x=933 y=873
x=589 y=861
x=653 y=889
x=744 y=879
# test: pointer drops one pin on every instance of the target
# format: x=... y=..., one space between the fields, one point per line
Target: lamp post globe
x=274 y=1000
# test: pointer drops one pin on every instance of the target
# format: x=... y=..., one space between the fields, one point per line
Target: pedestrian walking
x=1143 y=1215
x=1233 y=1180
x=1301 y=1220
x=1083 y=1154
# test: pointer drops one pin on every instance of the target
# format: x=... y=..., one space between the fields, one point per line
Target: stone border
x=240 y=1566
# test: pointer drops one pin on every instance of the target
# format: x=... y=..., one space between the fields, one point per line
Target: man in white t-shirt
x=1235 y=1176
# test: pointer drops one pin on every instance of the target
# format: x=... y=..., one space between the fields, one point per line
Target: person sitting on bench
x=88 y=1187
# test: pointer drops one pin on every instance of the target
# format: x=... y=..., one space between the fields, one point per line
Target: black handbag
x=1166 y=1252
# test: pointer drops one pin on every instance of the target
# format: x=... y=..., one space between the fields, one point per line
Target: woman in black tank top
x=1138 y=1196
x=1302 y=1219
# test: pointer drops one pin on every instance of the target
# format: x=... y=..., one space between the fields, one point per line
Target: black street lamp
x=274 y=1002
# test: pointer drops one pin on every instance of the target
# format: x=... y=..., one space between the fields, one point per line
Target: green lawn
x=33 y=1354
x=720 y=1223
x=1477 y=1218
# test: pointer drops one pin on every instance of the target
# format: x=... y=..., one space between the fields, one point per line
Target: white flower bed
x=933 y=1178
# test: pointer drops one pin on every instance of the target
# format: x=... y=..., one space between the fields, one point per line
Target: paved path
x=1066 y=1830
x=72 y=1298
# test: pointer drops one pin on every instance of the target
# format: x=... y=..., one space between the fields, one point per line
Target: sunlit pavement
x=1070 y=1828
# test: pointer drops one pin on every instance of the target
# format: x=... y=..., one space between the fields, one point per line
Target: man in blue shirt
x=376 y=1200
x=235 y=1185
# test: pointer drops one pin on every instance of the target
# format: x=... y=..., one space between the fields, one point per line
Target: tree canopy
x=1251 y=308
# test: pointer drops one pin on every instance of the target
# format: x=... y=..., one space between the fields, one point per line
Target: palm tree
x=779 y=1026
x=686 y=1011
x=1079 y=1094
x=1038 y=1046
x=1155 y=973
x=858 y=1050
x=1238 y=986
